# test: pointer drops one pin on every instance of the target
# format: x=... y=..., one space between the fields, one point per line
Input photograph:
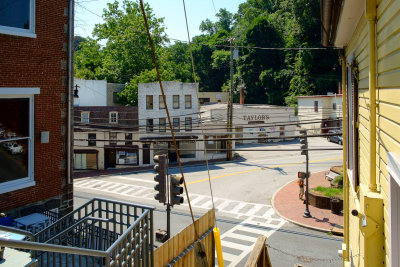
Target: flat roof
x=318 y=96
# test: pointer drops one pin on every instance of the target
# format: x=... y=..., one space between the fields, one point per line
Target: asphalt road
x=242 y=197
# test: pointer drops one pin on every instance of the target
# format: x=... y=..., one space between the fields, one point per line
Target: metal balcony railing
x=100 y=233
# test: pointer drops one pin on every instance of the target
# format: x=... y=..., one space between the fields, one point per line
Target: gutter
x=330 y=13
x=69 y=90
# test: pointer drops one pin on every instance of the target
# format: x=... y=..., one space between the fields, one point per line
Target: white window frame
x=111 y=120
x=393 y=168
x=190 y=101
x=88 y=118
x=23 y=32
x=178 y=102
x=30 y=180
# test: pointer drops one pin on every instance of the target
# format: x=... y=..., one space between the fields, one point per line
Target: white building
x=251 y=121
x=183 y=108
x=320 y=112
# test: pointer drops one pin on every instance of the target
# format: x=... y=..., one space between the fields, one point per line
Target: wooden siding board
x=390 y=95
x=389 y=29
x=390 y=62
x=389 y=79
x=386 y=12
x=390 y=128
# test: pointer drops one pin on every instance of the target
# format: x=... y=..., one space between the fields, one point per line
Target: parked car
x=7 y=145
x=335 y=138
x=15 y=149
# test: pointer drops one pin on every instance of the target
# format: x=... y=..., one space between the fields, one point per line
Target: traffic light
x=301 y=175
x=161 y=169
x=303 y=142
x=176 y=190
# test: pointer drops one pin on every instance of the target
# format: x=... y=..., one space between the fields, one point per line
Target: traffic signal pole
x=307 y=213
x=304 y=151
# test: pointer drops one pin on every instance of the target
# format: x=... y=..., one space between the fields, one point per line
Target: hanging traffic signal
x=161 y=169
x=303 y=142
x=176 y=190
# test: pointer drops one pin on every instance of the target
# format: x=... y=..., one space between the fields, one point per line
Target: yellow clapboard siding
x=390 y=62
x=363 y=93
x=381 y=7
x=390 y=95
x=389 y=29
x=390 y=128
x=388 y=46
x=389 y=79
x=359 y=34
x=363 y=84
x=385 y=13
x=382 y=148
x=390 y=111
x=363 y=74
x=363 y=111
x=388 y=142
x=384 y=184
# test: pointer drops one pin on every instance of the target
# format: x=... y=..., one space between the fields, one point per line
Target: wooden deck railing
x=259 y=256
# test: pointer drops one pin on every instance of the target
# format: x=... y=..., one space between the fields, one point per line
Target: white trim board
x=19 y=90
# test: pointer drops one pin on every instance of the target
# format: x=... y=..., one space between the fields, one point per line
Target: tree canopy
x=270 y=76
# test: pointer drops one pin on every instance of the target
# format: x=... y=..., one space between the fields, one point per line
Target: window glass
x=92 y=139
x=162 y=124
x=14 y=138
x=161 y=102
x=128 y=136
x=316 y=106
x=334 y=106
x=176 y=123
x=149 y=102
x=113 y=117
x=188 y=101
x=175 y=101
x=85 y=117
x=125 y=157
x=15 y=13
x=187 y=149
x=188 y=124
x=149 y=125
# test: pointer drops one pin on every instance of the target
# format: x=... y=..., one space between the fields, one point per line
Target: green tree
x=88 y=60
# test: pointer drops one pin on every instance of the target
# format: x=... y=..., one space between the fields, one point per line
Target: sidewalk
x=287 y=204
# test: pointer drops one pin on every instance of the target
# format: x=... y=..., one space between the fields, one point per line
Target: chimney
x=340 y=88
x=241 y=96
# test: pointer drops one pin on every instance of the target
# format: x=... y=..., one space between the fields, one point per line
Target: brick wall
x=127 y=116
x=42 y=62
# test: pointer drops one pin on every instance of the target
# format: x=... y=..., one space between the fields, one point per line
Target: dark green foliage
x=269 y=76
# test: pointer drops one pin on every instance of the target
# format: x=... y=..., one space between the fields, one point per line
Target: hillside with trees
x=264 y=31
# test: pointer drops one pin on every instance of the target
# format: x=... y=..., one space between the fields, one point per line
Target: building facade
x=320 y=113
x=250 y=122
x=213 y=97
x=105 y=137
x=183 y=108
x=368 y=31
x=35 y=103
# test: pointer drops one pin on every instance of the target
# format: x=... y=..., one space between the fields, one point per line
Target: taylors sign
x=255 y=117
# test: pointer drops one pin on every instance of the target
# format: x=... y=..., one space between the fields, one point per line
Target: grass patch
x=339 y=181
x=329 y=192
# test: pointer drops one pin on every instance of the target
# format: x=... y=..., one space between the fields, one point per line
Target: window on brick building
x=161 y=102
x=85 y=117
x=149 y=102
x=162 y=124
x=175 y=101
x=92 y=139
x=188 y=101
x=17 y=17
x=16 y=138
x=113 y=117
x=188 y=124
x=176 y=124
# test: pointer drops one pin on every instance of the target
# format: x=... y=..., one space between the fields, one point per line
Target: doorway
x=146 y=154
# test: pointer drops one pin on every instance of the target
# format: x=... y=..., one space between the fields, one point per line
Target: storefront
x=121 y=156
x=86 y=159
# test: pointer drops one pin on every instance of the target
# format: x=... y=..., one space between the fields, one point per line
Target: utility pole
x=304 y=151
x=230 y=104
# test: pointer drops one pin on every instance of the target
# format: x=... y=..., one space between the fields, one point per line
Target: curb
x=294 y=222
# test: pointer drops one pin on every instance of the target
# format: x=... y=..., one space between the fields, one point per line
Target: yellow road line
x=260 y=169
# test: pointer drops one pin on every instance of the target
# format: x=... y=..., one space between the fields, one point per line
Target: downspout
x=370 y=13
x=69 y=90
x=346 y=179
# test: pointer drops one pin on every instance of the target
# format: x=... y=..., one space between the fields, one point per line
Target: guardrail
x=100 y=233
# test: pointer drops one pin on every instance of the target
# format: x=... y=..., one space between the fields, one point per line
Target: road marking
x=260 y=169
x=248 y=228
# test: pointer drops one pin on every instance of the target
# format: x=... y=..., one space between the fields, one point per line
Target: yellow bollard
x=218 y=247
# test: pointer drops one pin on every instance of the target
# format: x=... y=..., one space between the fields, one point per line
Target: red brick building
x=35 y=105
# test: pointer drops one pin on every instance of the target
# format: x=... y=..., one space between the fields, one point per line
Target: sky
x=172 y=11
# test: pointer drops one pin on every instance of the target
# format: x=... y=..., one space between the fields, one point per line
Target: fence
x=100 y=233
x=259 y=256
x=179 y=250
